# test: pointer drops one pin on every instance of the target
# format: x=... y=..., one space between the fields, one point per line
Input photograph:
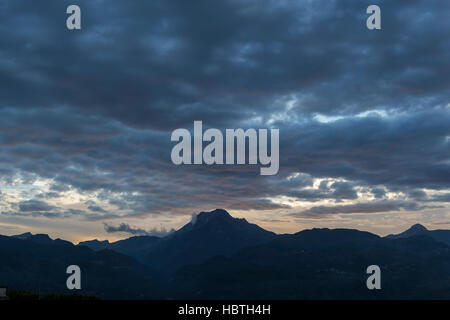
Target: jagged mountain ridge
x=136 y=246
x=27 y=264
x=301 y=266
x=218 y=256
x=207 y=235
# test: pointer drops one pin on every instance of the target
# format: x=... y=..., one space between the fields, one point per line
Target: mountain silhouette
x=207 y=235
x=95 y=244
x=23 y=236
x=38 y=263
x=216 y=256
x=41 y=239
x=418 y=229
x=136 y=247
x=302 y=266
x=414 y=230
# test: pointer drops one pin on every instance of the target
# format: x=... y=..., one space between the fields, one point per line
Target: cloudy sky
x=86 y=116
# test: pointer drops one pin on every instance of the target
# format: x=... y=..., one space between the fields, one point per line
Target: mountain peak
x=219 y=216
x=418 y=228
x=38 y=238
x=216 y=212
x=415 y=230
x=29 y=235
x=96 y=241
x=95 y=244
x=209 y=234
x=22 y=236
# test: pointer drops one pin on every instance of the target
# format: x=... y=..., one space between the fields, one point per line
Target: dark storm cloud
x=337 y=190
x=37 y=208
x=93 y=110
x=48 y=195
x=126 y=228
x=41 y=213
x=45 y=214
x=97 y=209
x=164 y=64
x=406 y=150
x=123 y=227
x=378 y=192
x=369 y=207
x=34 y=205
x=442 y=198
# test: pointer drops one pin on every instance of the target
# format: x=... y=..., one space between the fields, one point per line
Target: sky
x=86 y=115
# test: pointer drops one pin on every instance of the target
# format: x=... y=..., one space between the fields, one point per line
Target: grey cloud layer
x=93 y=110
x=126 y=228
x=365 y=207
